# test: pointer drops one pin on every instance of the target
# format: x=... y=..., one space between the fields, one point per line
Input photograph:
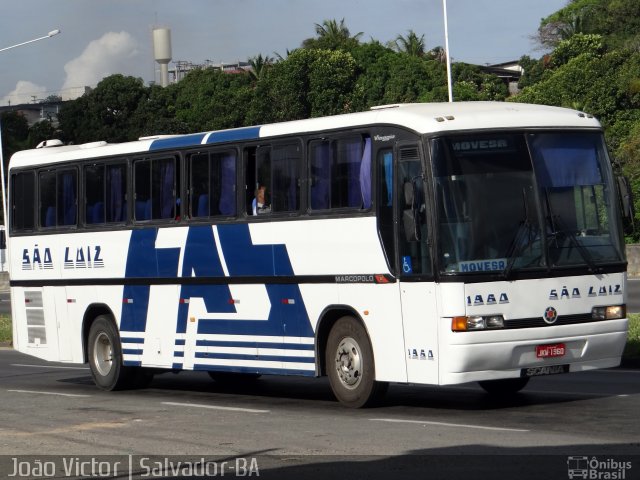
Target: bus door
x=417 y=288
x=58 y=297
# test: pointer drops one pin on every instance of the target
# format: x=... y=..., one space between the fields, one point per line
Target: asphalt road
x=293 y=428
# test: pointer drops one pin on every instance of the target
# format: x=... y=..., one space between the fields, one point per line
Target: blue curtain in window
x=387 y=160
x=353 y=149
x=227 y=182
x=166 y=189
x=115 y=194
x=321 y=176
x=565 y=160
x=365 y=174
x=68 y=199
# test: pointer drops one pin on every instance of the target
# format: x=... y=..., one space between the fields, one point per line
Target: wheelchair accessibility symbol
x=406 y=264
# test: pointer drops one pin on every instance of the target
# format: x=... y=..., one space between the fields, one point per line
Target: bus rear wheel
x=105 y=357
x=350 y=365
x=505 y=386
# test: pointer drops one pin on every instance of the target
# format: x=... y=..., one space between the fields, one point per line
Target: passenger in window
x=260 y=204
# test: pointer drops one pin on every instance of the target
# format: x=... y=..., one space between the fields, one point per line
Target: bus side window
x=155 y=189
x=47 y=198
x=212 y=184
x=105 y=193
x=340 y=173
x=285 y=164
x=23 y=201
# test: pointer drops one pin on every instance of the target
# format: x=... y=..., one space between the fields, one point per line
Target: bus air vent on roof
x=382 y=107
x=93 y=144
x=50 y=143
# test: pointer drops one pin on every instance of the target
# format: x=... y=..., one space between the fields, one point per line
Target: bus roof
x=419 y=117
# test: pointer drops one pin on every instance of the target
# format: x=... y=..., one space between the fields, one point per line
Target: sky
x=102 y=37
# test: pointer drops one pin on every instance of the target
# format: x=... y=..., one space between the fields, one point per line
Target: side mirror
x=626 y=198
x=409 y=194
x=410 y=215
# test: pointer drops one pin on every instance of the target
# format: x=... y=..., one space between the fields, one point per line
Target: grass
x=631 y=351
x=5 y=328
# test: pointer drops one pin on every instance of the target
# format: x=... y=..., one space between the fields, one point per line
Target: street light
x=446 y=48
x=4 y=193
x=48 y=35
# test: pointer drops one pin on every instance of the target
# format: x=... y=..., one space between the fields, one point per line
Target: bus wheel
x=105 y=355
x=505 y=386
x=350 y=366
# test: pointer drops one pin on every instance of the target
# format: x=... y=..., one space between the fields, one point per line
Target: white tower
x=162 y=52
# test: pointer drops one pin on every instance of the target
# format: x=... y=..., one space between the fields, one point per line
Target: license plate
x=550 y=351
x=546 y=370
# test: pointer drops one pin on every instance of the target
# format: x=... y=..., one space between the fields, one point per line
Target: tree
x=309 y=83
x=106 y=113
x=331 y=35
x=411 y=44
x=578 y=44
x=258 y=65
x=40 y=131
x=210 y=99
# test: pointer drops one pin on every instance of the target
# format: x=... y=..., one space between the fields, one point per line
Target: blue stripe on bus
x=269 y=358
x=248 y=133
x=181 y=342
x=178 y=354
x=286 y=346
x=265 y=371
x=130 y=363
x=131 y=340
x=132 y=351
x=177 y=142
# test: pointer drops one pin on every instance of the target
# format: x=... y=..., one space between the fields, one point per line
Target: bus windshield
x=509 y=201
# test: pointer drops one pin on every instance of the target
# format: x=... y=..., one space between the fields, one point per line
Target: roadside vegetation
x=632 y=350
x=5 y=328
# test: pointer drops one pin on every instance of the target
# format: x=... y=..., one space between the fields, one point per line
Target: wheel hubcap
x=103 y=354
x=349 y=363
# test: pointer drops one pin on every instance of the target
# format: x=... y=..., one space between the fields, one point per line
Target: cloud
x=112 y=53
x=24 y=93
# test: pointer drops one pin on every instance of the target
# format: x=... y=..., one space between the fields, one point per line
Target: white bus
x=425 y=243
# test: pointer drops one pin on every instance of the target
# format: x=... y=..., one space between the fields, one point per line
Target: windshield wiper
x=555 y=222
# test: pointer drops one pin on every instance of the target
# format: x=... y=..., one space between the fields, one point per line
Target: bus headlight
x=477 y=322
x=611 y=312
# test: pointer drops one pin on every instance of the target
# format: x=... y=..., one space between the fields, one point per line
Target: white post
x=4 y=193
x=446 y=47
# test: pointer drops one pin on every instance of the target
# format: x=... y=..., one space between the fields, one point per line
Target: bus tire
x=505 y=386
x=350 y=364
x=105 y=356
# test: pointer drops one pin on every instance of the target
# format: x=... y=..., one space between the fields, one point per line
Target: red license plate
x=550 y=351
